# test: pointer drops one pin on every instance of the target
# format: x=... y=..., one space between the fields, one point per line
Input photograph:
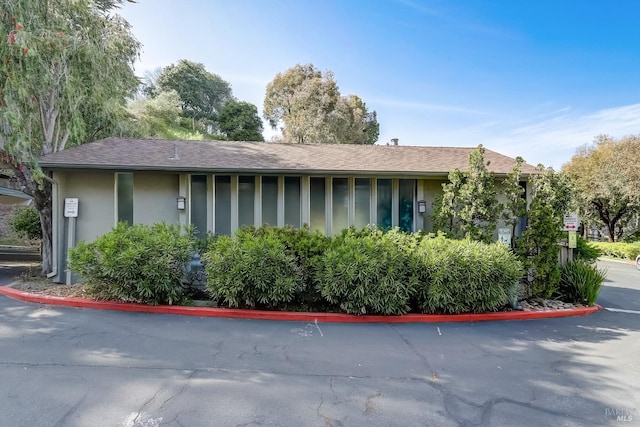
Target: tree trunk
x=41 y=194
x=611 y=227
x=47 y=243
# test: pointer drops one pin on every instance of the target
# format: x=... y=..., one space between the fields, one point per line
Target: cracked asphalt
x=75 y=367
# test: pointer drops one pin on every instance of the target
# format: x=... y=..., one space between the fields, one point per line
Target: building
x=219 y=186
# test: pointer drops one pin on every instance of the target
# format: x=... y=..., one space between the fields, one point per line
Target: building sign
x=571 y=222
x=71 y=207
x=504 y=235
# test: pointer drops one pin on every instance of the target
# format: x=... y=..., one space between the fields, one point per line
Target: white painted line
x=439 y=333
x=621 y=310
x=318 y=327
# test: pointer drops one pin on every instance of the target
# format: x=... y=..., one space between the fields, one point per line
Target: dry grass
x=31 y=281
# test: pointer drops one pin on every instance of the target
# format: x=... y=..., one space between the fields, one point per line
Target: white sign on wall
x=71 y=207
x=504 y=235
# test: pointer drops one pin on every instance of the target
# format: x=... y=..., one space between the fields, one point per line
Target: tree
x=308 y=104
x=538 y=247
x=239 y=121
x=352 y=123
x=516 y=205
x=607 y=181
x=65 y=72
x=469 y=203
x=202 y=93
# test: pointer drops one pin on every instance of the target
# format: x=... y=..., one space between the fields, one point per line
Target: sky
x=530 y=78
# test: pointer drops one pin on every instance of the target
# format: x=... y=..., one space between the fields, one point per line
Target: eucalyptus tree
x=307 y=104
x=65 y=71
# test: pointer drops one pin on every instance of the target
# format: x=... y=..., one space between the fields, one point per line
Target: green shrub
x=619 y=249
x=363 y=272
x=139 y=263
x=465 y=276
x=25 y=221
x=252 y=268
x=306 y=246
x=580 y=282
x=586 y=251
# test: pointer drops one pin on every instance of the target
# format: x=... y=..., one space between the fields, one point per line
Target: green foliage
x=306 y=247
x=465 y=276
x=516 y=206
x=586 y=251
x=65 y=73
x=606 y=176
x=252 y=269
x=202 y=94
x=25 y=221
x=139 y=263
x=309 y=105
x=365 y=273
x=580 y=282
x=469 y=205
x=239 y=121
x=538 y=246
x=618 y=249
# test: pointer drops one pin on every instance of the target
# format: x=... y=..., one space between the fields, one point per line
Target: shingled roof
x=261 y=157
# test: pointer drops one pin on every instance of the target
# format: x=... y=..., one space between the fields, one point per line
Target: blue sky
x=533 y=78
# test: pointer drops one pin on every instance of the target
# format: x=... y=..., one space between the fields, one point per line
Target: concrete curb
x=291 y=316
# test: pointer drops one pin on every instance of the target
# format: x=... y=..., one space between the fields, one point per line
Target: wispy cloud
x=555 y=139
x=424 y=106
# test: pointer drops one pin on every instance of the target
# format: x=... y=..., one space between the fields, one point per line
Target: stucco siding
x=154 y=198
x=95 y=193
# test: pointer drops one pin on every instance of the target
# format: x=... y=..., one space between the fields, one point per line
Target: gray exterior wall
x=154 y=198
x=155 y=194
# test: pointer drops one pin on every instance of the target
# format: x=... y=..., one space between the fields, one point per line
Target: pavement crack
x=180 y=392
x=422 y=357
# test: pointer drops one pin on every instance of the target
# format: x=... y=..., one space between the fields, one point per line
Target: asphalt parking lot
x=76 y=367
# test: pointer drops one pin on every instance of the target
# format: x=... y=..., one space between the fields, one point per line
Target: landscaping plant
x=618 y=249
x=465 y=276
x=138 y=263
x=252 y=269
x=580 y=282
x=362 y=272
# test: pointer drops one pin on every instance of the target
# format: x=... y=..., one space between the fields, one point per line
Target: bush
x=586 y=251
x=364 y=272
x=306 y=247
x=465 y=276
x=580 y=282
x=25 y=221
x=139 y=263
x=619 y=249
x=252 y=268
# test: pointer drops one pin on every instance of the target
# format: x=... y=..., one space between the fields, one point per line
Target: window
x=292 y=201
x=317 y=214
x=406 y=199
x=340 y=216
x=124 y=182
x=199 y=204
x=385 y=203
x=363 y=202
x=223 y=205
x=246 y=200
x=270 y=200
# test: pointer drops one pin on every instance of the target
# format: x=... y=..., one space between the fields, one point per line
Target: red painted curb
x=289 y=315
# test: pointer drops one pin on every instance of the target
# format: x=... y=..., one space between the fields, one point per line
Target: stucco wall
x=95 y=193
x=154 y=198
